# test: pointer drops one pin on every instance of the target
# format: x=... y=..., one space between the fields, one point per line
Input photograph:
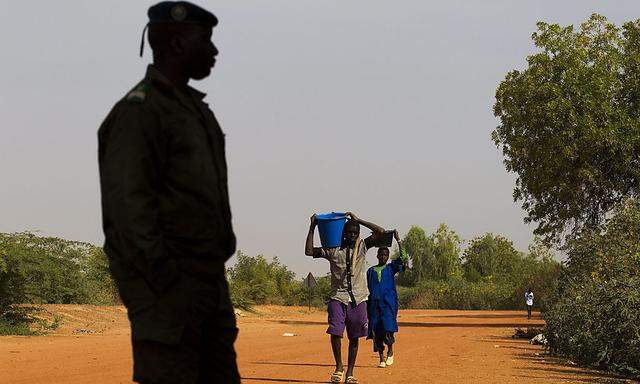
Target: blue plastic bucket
x=330 y=226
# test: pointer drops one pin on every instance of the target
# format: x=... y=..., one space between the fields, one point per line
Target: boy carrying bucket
x=383 y=301
x=347 y=308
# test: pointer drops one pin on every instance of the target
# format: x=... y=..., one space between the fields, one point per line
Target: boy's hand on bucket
x=352 y=216
x=314 y=220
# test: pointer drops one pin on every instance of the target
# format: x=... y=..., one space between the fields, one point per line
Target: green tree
x=433 y=257
x=570 y=124
x=446 y=253
x=255 y=280
x=421 y=252
x=490 y=255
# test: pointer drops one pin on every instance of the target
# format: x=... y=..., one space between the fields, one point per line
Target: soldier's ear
x=177 y=44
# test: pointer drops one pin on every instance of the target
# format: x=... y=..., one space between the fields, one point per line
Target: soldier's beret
x=180 y=12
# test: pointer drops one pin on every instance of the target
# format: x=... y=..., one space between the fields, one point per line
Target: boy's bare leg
x=390 y=350
x=353 y=352
x=336 y=345
x=380 y=346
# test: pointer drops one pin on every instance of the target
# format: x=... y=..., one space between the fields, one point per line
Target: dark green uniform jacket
x=165 y=201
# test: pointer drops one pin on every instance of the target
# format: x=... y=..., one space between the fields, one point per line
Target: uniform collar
x=155 y=75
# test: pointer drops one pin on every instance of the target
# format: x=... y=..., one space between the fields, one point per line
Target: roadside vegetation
x=489 y=274
x=46 y=270
x=570 y=131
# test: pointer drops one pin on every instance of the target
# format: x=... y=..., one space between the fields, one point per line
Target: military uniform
x=167 y=225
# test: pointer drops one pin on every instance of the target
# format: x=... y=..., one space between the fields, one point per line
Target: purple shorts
x=343 y=316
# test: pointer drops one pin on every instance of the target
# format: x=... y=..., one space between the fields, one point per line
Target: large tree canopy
x=490 y=255
x=570 y=124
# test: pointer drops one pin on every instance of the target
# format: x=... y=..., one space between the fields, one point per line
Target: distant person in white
x=528 y=298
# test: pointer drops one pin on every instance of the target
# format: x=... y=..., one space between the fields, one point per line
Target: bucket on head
x=330 y=226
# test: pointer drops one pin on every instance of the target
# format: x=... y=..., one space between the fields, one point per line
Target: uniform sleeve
x=131 y=155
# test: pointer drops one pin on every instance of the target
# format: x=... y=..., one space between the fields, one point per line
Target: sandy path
x=432 y=347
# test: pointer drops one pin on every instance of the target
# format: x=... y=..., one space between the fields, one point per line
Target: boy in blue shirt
x=382 y=306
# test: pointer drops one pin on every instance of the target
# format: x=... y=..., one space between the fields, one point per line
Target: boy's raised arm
x=309 y=249
x=377 y=230
x=402 y=261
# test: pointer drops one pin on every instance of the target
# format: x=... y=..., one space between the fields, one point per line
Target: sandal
x=382 y=364
x=336 y=377
x=351 y=380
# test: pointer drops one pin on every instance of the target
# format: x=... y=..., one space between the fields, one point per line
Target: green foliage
x=319 y=295
x=596 y=318
x=570 y=124
x=257 y=281
x=489 y=256
x=434 y=257
x=40 y=270
x=456 y=293
x=21 y=320
x=446 y=253
x=495 y=274
x=420 y=249
x=17 y=321
x=254 y=280
x=570 y=130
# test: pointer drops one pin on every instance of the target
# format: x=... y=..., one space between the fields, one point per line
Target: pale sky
x=379 y=107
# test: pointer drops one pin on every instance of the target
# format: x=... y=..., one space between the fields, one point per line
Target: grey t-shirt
x=338 y=265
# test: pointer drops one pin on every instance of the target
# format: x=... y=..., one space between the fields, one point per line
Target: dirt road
x=92 y=346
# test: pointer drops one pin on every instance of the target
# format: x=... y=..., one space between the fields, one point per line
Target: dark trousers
x=183 y=335
x=529 y=311
x=203 y=356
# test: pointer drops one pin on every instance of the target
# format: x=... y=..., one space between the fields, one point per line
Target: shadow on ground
x=418 y=324
x=278 y=380
x=300 y=364
x=562 y=371
x=481 y=316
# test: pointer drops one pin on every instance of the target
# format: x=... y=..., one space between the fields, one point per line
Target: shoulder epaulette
x=138 y=94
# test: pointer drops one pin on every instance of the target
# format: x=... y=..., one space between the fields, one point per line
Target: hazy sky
x=379 y=107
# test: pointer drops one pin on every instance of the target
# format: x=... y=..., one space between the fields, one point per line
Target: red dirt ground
x=92 y=346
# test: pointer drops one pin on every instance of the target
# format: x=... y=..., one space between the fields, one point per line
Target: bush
x=495 y=277
x=457 y=293
x=41 y=270
x=254 y=280
x=596 y=318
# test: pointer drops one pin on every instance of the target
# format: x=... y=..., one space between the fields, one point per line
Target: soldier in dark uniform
x=165 y=204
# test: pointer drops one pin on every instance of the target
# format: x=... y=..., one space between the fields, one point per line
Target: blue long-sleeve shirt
x=383 y=297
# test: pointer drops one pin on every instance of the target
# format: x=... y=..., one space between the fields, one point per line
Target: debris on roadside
x=81 y=331
x=528 y=333
x=538 y=340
